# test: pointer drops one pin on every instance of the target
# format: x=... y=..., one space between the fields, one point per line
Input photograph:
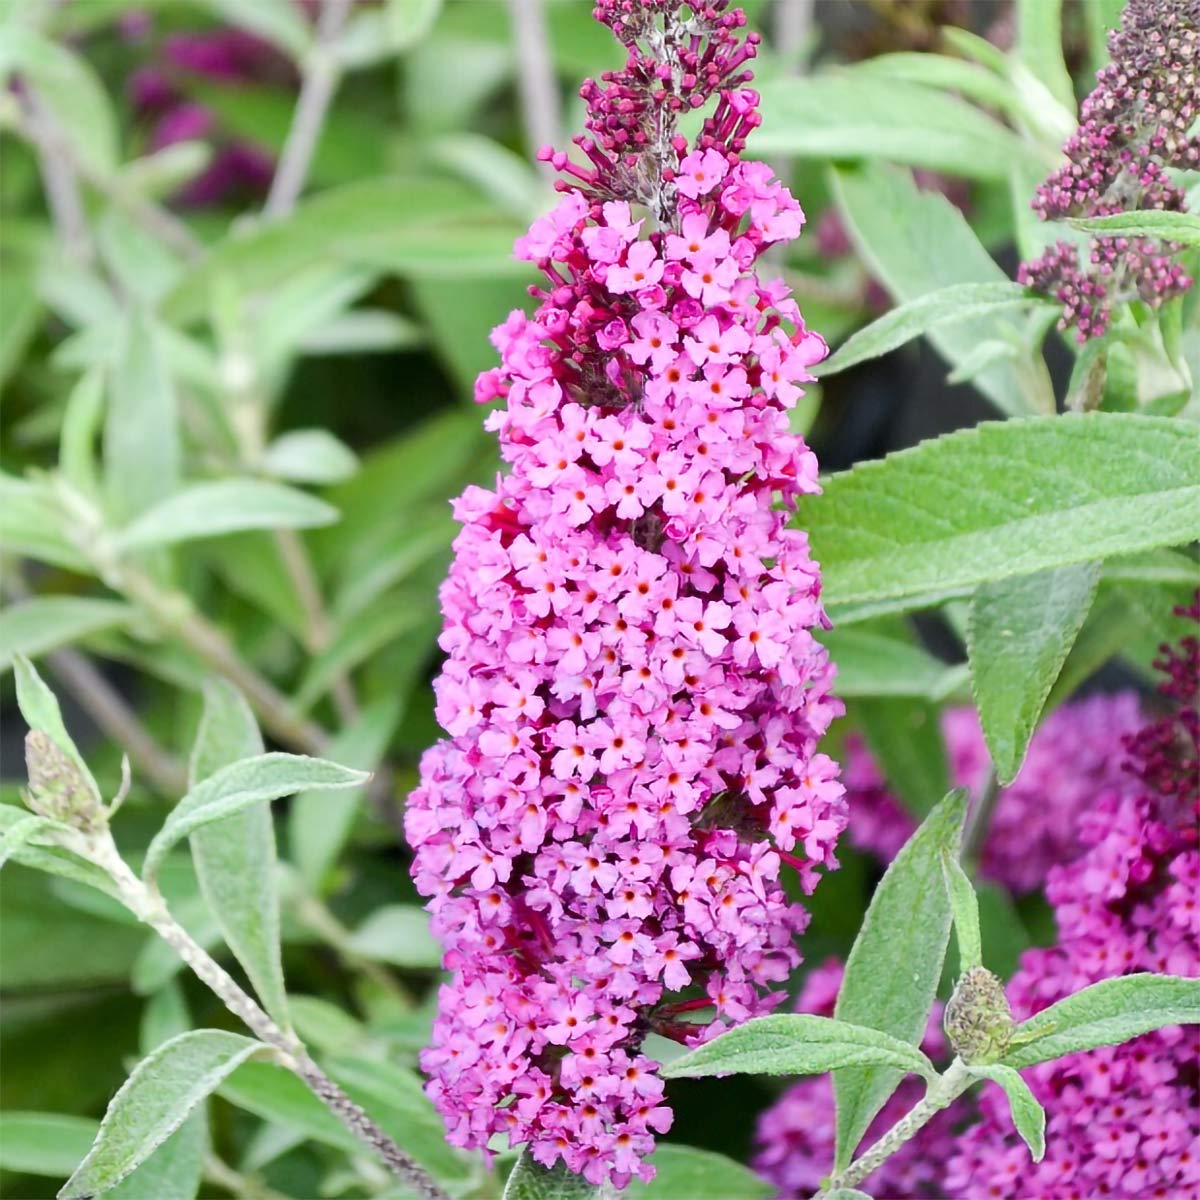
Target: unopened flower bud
x=57 y=788
x=978 y=1020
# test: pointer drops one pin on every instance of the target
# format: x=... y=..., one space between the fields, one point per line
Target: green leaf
x=797 y=1044
x=685 y=1171
x=853 y=115
x=174 y=1171
x=905 y=737
x=916 y=242
x=164 y=1016
x=51 y=1144
x=309 y=456
x=845 y=1194
x=375 y=35
x=1027 y=1114
x=81 y=423
x=224 y=506
x=397 y=934
x=153 y=1102
x=275 y=1094
x=20 y=833
x=39 y=707
x=893 y=969
x=950 y=74
x=44 y=623
x=965 y=908
x=32 y=524
x=142 y=450
x=873 y=664
x=235 y=857
x=50 y=860
x=239 y=785
x=320 y=822
x=1004 y=499
x=1039 y=44
x=70 y=91
x=1179 y=227
x=1019 y=634
x=958 y=302
x=1105 y=1014
x=529 y=1180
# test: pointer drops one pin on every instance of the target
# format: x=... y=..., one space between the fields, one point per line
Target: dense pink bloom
x=795 y=1135
x=632 y=693
x=1035 y=822
x=1123 y=1121
x=1135 y=126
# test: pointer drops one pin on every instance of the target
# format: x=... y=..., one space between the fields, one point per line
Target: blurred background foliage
x=238 y=400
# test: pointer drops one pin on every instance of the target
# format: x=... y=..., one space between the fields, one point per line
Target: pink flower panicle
x=795 y=1136
x=632 y=693
x=1135 y=126
x=1035 y=822
x=1122 y=1121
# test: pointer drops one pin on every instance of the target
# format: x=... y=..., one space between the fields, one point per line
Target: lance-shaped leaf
x=893 y=969
x=529 y=1180
x=153 y=1102
x=36 y=1143
x=965 y=907
x=51 y=859
x=1019 y=634
x=45 y=622
x=1004 y=499
x=1172 y=226
x=241 y=784
x=686 y=1171
x=20 y=833
x=1105 y=1014
x=235 y=857
x=1027 y=1114
x=958 y=302
x=798 y=1044
x=224 y=506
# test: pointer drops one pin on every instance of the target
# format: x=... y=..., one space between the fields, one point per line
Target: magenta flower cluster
x=632 y=692
x=1034 y=824
x=1135 y=126
x=1123 y=1121
x=795 y=1136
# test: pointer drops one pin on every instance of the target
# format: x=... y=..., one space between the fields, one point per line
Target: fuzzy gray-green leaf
x=965 y=907
x=241 y=784
x=1019 y=634
x=797 y=1044
x=529 y=1180
x=1027 y=1114
x=153 y=1102
x=1105 y=1014
x=235 y=857
x=893 y=969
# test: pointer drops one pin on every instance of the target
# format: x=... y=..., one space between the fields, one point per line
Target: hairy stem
x=318 y=629
x=148 y=906
x=175 y=611
x=59 y=177
x=320 y=79
x=941 y=1094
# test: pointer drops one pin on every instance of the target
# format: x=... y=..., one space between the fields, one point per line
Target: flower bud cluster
x=1135 y=126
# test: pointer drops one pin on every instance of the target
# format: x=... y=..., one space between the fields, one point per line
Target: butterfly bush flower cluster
x=1122 y=1121
x=1034 y=824
x=1136 y=125
x=795 y=1136
x=632 y=692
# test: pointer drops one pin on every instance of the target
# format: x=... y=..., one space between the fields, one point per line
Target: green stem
x=941 y=1094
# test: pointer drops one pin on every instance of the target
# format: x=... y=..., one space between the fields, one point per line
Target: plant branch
x=941 y=1094
x=317 y=627
x=320 y=79
x=175 y=611
x=148 y=906
x=540 y=105
x=55 y=152
x=59 y=177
